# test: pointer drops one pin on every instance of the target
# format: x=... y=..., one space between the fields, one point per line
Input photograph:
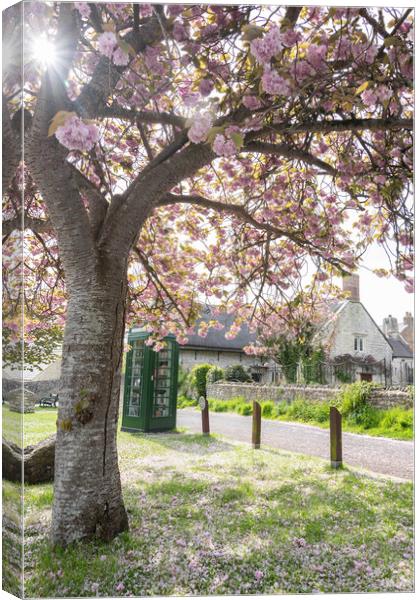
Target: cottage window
x=358 y=343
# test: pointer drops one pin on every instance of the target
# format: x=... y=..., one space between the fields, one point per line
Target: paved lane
x=380 y=455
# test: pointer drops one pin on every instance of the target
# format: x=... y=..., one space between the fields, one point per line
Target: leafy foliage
x=237 y=373
x=215 y=374
x=199 y=378
x=41 y=350
x=184 y=382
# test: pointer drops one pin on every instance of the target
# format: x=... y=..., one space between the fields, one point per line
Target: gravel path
x=380 y=455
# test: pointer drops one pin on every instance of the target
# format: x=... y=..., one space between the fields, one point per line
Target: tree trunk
x=87 y=492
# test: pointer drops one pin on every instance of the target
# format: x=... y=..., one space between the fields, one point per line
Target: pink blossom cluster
x=175 y=9
x=108 y=46
x=315 y=55
x=263 y=49
x=180 y=31
x=203 y=329
x=206 y=87
x=200 y=127
x=233 y=331
x=290 y=37
x=75 y=134
x=381 y=94
x=251 y=102
x=224 y=146
x=84 y=9
x=274 y=84
x=146 y=10
x=118 y=10
x=152 y=62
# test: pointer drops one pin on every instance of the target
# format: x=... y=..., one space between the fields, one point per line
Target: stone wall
x=22 y=401
x=39 y=388
x=381 y=397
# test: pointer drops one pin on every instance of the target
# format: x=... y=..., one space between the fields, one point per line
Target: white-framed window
x=358 y=343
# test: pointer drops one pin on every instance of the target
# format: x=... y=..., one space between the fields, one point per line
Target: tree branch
x=339 y=125
x=164 y=118
x=287 y=151
x=245 y=216
x=32 y=223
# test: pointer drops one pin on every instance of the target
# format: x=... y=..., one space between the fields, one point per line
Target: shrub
x=267 y=408
x=321 y=412
x=198 y=379
x=237 y=373
x=214 y=374
x=184 y=402
x=226 y=405
x=300 y=410
x=218 y=405
x=184 y=383
x=353 y=397
x=366 y=416
x=244 y=409
x=303 y=410
x=397 y=419
x=280 y=408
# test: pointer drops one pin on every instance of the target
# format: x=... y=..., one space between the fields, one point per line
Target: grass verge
x=394 y=423
x=208 y=516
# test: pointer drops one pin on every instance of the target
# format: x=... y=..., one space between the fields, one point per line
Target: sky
x=382 y=296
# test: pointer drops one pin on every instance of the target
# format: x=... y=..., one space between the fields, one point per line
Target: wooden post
x=336 y=447
x=205 y=420
x=256 y=424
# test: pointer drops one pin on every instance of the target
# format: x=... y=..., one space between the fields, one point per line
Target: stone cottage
x=355 y=346
x=357 y=349
x=401 y=338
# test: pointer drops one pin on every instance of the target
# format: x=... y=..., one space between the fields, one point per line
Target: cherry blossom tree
x=183 y=154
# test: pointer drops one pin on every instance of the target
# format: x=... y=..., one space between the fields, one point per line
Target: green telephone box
x=150 y=386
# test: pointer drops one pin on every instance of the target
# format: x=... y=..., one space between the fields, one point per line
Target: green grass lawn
x=211 y=516
x=37 y=426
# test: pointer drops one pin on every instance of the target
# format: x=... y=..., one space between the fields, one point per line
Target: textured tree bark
x=87 y=494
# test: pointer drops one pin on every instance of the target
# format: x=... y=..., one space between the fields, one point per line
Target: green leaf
x=362 y=87
x=213 y=132
x=393 y=40
x=251 y=32
x=238 y=139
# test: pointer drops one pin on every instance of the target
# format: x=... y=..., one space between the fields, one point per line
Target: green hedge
x=199 y=378
x=237 y=373
x=215 y=374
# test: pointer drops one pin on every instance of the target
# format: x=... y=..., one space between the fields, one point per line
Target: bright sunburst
x=43 y=51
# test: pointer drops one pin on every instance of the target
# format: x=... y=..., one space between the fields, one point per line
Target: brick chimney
x=351 y=284
x=408 y=320
x=390 y=326
x=407 y=331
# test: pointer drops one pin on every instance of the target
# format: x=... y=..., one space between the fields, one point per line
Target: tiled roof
x=215 y=338
x=399 y=348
